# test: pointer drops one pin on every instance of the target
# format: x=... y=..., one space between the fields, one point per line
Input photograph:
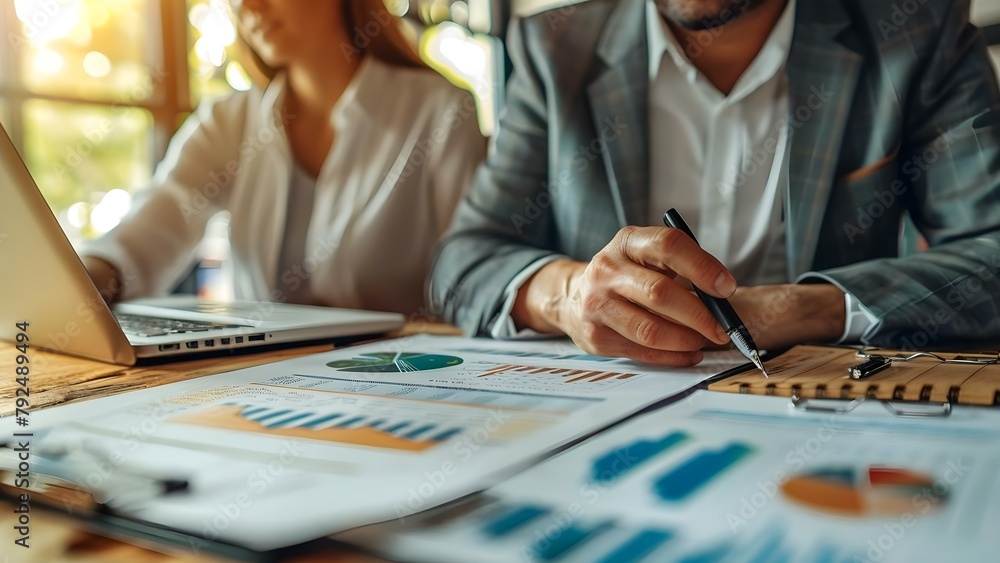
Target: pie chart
x=872 y=491
x=400 y=362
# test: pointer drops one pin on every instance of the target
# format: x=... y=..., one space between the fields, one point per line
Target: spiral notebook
x=825 y=372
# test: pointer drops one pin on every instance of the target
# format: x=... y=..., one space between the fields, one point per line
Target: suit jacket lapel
x=619 y=98
x=822 y=75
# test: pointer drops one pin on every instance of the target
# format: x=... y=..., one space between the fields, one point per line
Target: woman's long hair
x=372 y=30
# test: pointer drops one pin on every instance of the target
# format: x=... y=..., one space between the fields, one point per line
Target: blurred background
x=92 y=90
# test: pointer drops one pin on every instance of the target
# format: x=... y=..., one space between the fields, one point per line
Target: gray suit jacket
x=891 y=113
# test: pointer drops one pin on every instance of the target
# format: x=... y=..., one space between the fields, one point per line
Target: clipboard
x=808 y=373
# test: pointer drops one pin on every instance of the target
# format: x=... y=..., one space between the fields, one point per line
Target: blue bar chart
x=568 y=539
x=551 y=536
x=620 y=461
x=681 y=482
x=325 y=424
x=512 y=519
x=637 y=547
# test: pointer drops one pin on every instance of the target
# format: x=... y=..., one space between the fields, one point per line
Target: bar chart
x=703 y=481
x=344 y=426
x=535 y=531
x=532 y=524
x=555 y=379
x=387 y=420
x=622 y=460
x=532 y=354
x=679 y=483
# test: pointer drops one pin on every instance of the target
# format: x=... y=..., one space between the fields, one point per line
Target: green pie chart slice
x=389 y=362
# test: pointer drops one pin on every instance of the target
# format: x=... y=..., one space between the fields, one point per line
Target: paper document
x=721 y=477
x=282 y=453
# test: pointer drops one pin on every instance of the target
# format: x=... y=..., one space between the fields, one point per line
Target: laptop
x=47 y=295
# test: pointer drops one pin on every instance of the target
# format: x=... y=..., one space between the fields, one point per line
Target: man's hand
x=779 y=316
x=626 y=301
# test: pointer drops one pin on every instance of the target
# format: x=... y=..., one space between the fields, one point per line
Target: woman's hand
x=106 y=278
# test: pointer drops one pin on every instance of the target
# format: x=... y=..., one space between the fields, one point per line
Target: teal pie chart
x=399 y=362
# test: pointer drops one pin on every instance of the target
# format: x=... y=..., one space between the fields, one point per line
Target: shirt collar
x=358 y=99
x=771 y=58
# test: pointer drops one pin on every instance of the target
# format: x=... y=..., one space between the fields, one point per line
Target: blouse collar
x=359 y=99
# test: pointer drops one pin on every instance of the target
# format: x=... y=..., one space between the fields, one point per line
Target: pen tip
x=760 y=365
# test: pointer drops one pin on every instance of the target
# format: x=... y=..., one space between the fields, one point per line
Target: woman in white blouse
x=339 y=175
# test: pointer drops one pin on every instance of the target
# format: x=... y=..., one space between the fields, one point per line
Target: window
x=92 y=90
x=462 y=44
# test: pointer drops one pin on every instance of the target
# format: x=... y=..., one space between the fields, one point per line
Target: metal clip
x=911 y=411
x=976 y=360
x=942 y=410
x=803 y=405
x=874 y=365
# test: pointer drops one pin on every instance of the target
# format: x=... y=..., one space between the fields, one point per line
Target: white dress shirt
x=720 y=160
x=301 y=196
x=406 y=145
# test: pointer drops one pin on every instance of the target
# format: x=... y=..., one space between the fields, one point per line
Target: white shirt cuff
x=503 y=328
x=858 y=320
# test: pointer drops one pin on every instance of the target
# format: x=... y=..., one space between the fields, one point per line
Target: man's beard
x=698 y=15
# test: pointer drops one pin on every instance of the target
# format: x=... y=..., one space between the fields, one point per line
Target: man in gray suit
x=795 y=137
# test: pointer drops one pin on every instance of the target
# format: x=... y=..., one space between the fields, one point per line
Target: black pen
x=720 y=308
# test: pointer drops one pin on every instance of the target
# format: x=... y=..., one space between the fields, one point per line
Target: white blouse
x=405 y=148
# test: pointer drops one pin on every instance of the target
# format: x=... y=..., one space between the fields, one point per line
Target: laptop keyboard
x=140 y=325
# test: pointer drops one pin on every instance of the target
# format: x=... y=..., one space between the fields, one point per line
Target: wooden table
x=55 y=380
